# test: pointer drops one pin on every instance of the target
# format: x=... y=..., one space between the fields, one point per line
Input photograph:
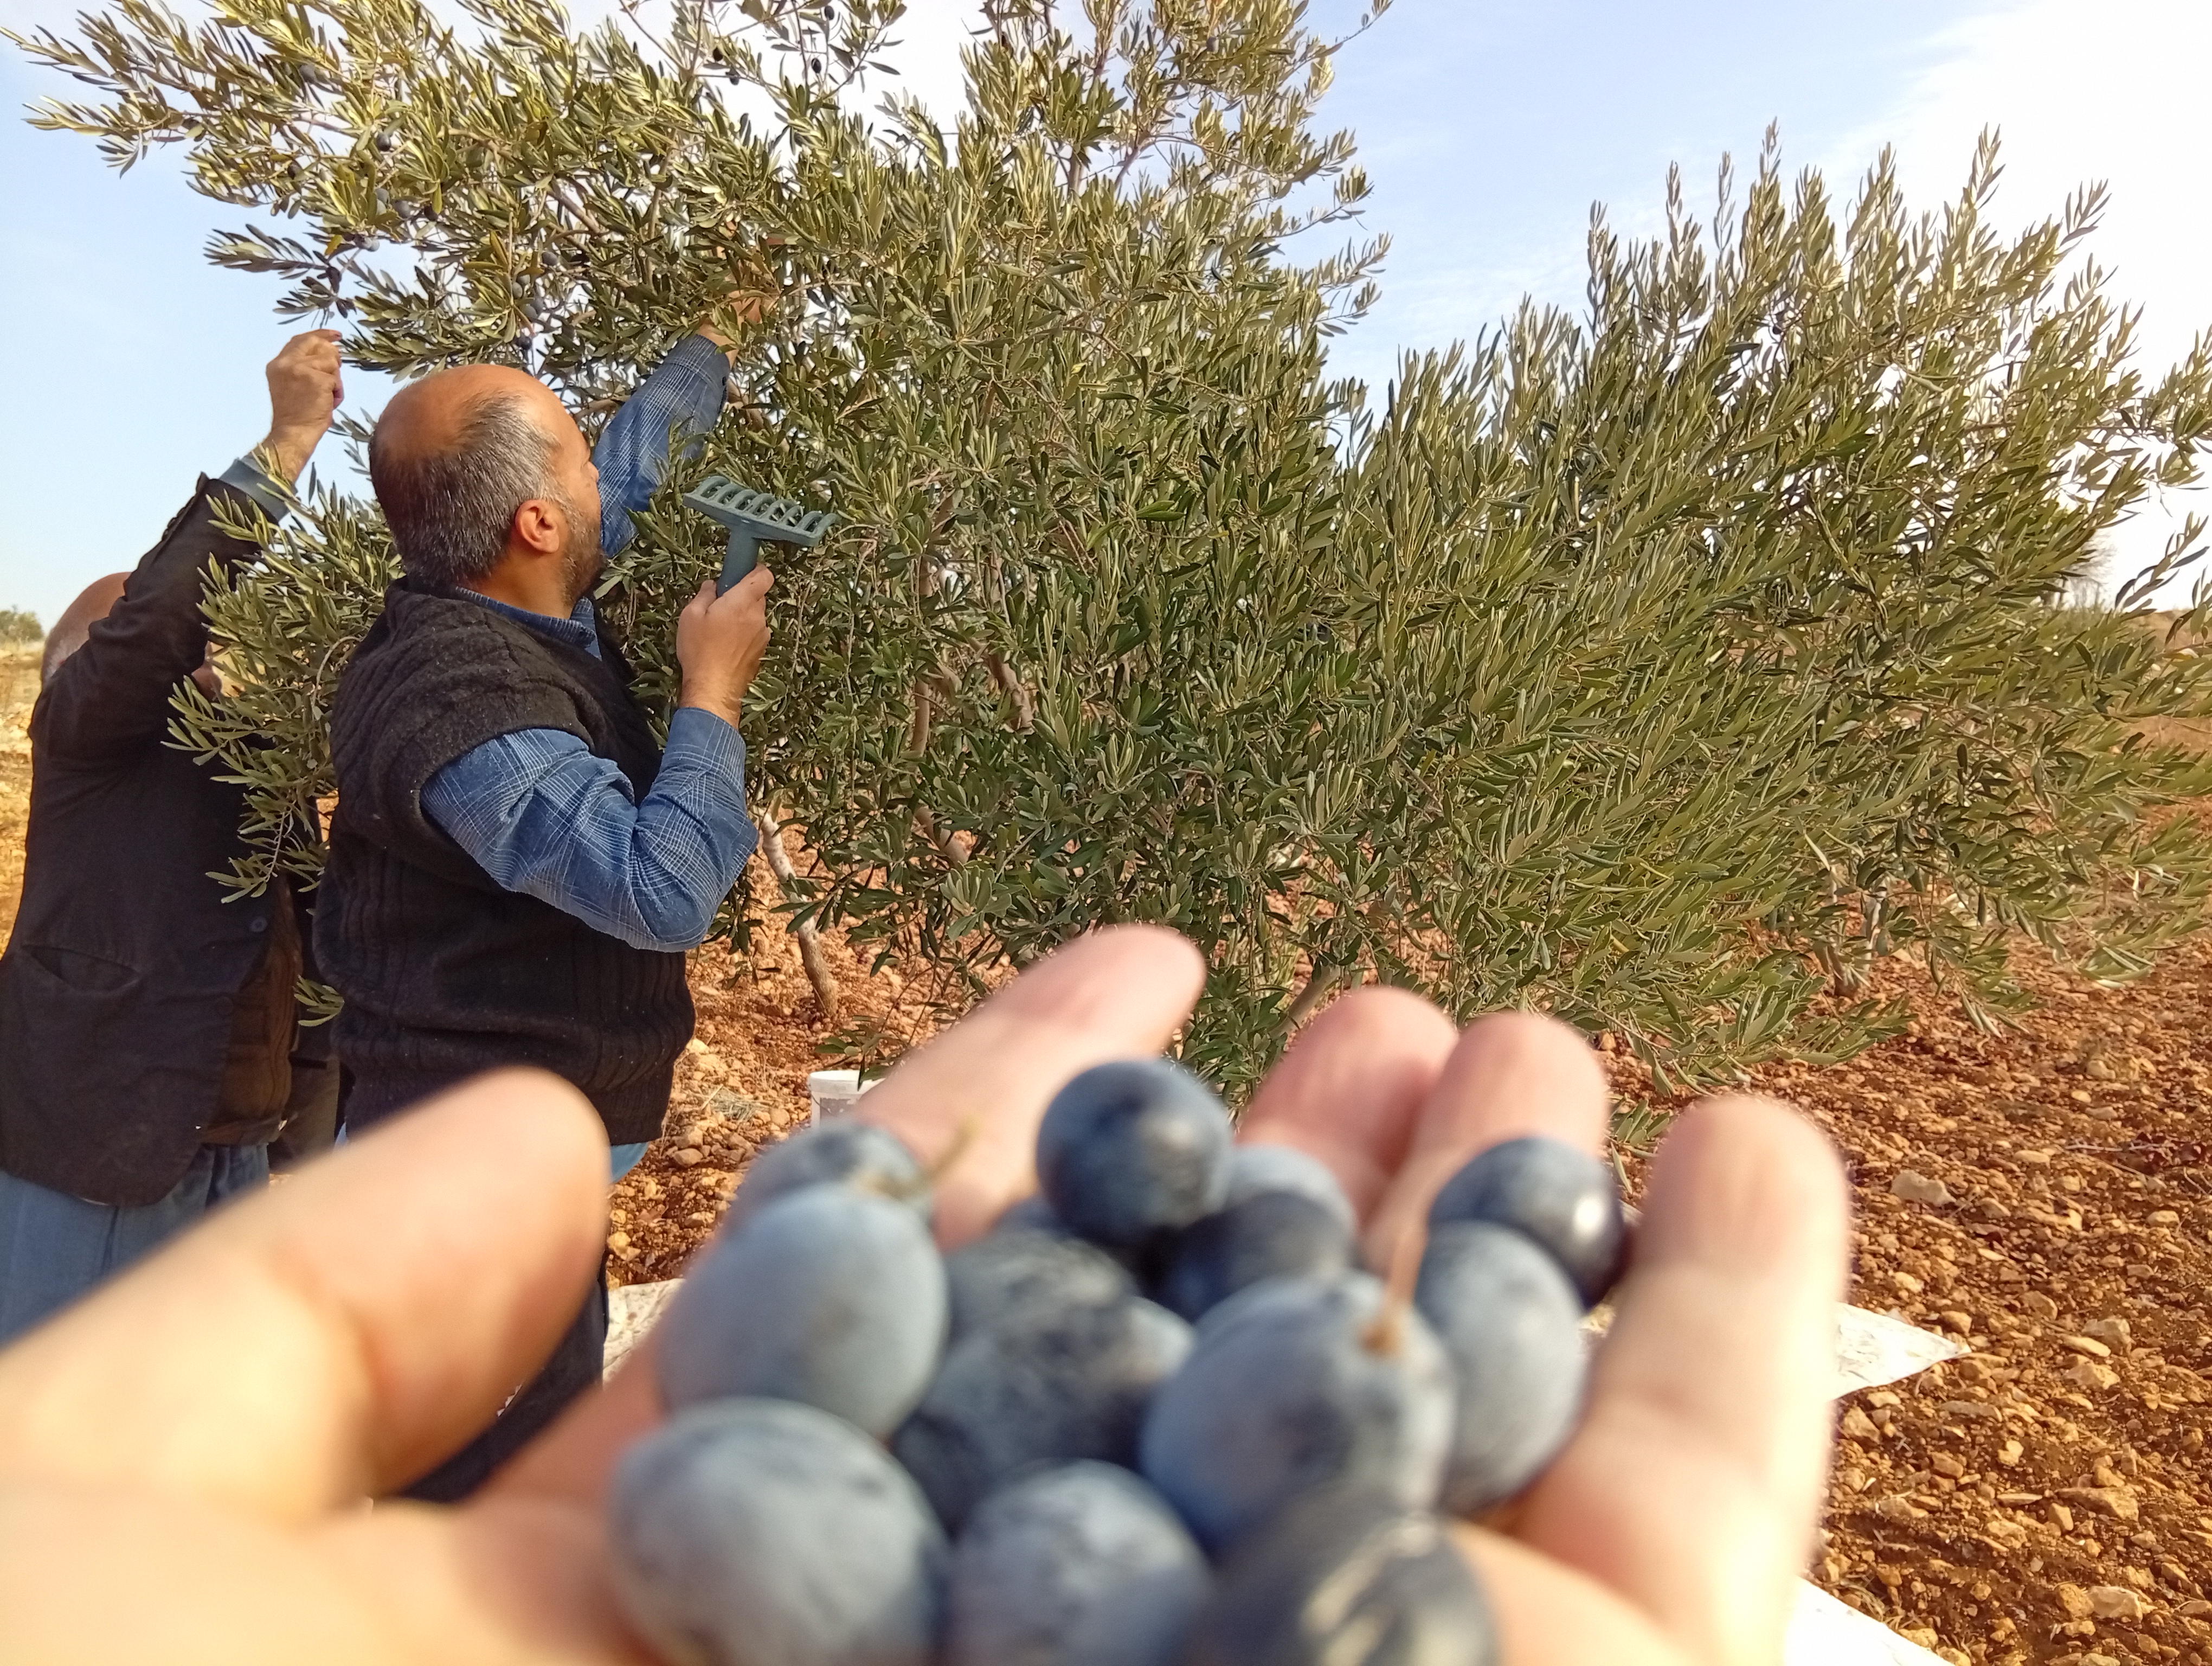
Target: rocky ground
x=2045 y=1195
x=742 y=1084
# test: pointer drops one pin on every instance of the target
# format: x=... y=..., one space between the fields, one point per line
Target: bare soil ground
x=741 y=1085
x=19 y=691
x=2045 y=1193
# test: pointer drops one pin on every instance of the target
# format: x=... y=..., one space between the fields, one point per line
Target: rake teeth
x=742 y=509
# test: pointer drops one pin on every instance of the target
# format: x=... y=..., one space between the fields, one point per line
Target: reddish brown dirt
x=2048 y=1498
x=743 y=1084
x=19 y=689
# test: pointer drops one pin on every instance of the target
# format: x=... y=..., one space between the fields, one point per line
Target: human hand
x=305 y=388
x=228 y=1403
x=754 y=297
x=720 y=641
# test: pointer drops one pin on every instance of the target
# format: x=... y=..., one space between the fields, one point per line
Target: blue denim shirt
x=681 y=399
x=544 y=816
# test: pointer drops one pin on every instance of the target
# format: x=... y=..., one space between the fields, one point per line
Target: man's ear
x=537 y=527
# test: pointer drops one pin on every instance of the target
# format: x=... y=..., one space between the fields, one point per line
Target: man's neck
x=531 y=592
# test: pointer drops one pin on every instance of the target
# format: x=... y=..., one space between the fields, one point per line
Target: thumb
x=751 y=589
x=293 y=1351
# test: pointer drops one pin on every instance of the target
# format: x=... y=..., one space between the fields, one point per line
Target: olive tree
x=1657 y=665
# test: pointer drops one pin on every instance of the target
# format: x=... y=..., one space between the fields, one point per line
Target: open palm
x=184 y=1458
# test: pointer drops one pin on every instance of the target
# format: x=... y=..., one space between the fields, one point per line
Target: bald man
x=93 y=603
x=147 y=1025
x=517 y=868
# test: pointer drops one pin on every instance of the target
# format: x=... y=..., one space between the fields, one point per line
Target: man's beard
x=581 y=560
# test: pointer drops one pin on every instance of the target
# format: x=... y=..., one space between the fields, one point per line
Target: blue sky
x=1488 y=128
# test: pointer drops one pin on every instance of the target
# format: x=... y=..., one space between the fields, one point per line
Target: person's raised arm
x=305 y=386
x=113 y=692
x=680 y=401
x=677 y=404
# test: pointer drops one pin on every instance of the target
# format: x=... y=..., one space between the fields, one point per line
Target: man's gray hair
x=450 y=511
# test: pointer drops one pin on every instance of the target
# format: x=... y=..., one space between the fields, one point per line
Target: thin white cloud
x=2080 y=94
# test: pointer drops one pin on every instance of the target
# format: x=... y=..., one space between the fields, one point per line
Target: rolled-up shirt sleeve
x=250 y=477
x=544 y=816
x=679 y=401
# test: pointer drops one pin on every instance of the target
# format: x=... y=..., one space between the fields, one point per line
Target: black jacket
x=445 y=973
x=117 y=985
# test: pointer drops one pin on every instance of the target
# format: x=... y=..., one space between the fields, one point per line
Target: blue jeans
x=54 y=1247
x=574 y=1368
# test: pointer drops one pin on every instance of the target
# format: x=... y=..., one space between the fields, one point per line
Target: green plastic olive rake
x=754 y=519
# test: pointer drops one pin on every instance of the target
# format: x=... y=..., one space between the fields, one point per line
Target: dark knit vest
x=443 y=973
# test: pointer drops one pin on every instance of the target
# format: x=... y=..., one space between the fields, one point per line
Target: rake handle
x=742 y=556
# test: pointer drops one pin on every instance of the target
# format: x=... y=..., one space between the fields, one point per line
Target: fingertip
x=1376 y=1025
x=1534 y=1047
x=530 y=1129
x=1160 y=940
x=525 y=1110
x=509 y=1170
x=1510 y=1075
x=1162 y=966
x=1120 y=993
x=1351 y=1085
x=1740 y=1174
x=1378 y=1013
x=1176 y=964
x=1777 y=1125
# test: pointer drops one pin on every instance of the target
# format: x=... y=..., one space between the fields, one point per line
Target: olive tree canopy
x=1656 y=665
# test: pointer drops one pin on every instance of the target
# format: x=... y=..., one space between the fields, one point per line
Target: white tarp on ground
x=1824 y=1632
x=631 y=1310
x=1871 y=1349
x=1875 y=1348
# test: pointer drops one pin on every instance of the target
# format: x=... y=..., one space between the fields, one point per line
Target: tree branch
x=947 y=847
x=1324 y=980
x=1016 y=690
x=810 y=954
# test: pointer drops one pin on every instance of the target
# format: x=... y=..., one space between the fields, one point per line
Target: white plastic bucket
x=833 y=1092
